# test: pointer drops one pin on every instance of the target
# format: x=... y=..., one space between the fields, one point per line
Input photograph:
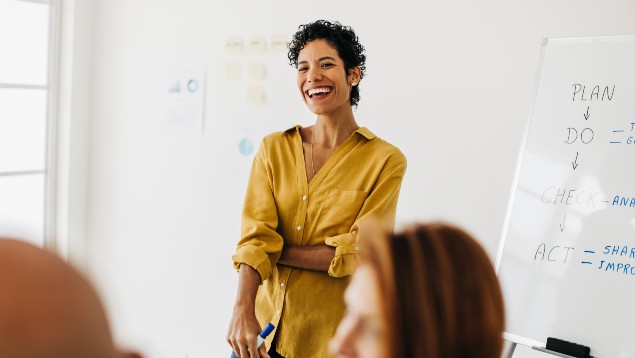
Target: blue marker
x=261 y=337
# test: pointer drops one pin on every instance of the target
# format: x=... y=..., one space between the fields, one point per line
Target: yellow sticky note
x=234 y=45
x=256 y=71
x=278 y=43
x=257 y=44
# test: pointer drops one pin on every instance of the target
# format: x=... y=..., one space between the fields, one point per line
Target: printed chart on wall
x=567 y=255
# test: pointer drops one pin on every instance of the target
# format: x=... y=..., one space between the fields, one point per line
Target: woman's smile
x=318 y=92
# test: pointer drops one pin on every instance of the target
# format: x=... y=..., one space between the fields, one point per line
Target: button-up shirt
x=361 y=179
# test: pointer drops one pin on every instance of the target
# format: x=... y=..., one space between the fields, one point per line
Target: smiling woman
x=308 y=191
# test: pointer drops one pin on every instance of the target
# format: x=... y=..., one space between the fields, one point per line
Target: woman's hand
x=244 y=328
x=243 y=334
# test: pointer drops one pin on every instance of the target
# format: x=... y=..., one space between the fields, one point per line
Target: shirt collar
x=295 y=128
x=366 y=133
x=363 y=131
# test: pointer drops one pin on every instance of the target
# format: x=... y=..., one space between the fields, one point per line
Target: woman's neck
x=331 y=131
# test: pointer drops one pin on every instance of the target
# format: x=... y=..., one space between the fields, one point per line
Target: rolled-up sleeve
x=381 y=205
x=260 y=245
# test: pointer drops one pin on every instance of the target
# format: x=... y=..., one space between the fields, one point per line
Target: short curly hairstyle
x=342 y=38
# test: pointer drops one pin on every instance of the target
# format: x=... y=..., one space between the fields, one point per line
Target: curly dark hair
x=342 y=38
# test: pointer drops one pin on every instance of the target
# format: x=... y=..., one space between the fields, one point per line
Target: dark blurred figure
x=48 y=309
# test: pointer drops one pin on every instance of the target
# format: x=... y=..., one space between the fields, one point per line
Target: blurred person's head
x=48 y=309
x=429 y=291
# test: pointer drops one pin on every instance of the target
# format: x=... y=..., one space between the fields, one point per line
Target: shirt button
x=278 y=313
x=356 y=247
x=281 y=284
x=303 y=197
x=299 y=228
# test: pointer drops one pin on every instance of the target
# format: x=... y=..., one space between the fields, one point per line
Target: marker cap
x=268 y=329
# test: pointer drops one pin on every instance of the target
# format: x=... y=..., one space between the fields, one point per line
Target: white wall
x=449 y=82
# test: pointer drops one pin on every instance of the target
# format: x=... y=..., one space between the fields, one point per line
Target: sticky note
x=256 y=71
x=257 y=44
x=278 y=43
x=234 y=45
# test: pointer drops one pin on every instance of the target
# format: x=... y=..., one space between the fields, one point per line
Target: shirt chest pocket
x=339 y=211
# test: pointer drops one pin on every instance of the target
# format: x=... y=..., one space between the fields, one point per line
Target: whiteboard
x=567 y=256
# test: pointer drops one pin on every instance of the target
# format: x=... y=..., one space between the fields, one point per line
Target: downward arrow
x=562 y=225
x=575 y=162
x=587 y=115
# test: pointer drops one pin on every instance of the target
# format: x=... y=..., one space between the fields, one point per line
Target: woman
x=428 y=292
x=308 y=190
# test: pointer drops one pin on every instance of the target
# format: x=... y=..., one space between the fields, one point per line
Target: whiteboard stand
x=515 y=350
x=510 y=350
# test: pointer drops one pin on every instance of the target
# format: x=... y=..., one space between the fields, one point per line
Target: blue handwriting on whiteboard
x=628 y=140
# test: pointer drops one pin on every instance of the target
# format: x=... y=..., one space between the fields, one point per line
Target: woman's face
x=322 y=78
x=360 y=332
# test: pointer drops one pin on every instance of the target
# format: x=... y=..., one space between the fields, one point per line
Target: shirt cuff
x=255 y=257
x=346 y=252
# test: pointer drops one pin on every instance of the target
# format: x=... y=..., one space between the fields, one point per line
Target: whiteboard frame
x=521 y=152
x=514 y=338
x=499 y=256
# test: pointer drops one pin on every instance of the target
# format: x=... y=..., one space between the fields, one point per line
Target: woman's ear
x=354 y=75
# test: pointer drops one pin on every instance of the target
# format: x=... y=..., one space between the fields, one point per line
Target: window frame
x=51 y=124
x=50 y=190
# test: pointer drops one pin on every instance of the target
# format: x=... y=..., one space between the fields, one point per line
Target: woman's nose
x=337 y=347
x=314 y=75
x=341 y=345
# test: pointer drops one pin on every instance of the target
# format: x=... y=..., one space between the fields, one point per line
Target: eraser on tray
x=569 y=348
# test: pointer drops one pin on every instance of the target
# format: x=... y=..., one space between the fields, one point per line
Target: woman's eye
x=302 y=69
x=327 y=65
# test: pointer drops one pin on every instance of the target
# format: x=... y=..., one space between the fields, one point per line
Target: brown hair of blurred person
x=48 y=309
x=437 y=295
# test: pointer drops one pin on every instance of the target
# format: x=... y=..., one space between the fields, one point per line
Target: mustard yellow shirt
x=361 y=179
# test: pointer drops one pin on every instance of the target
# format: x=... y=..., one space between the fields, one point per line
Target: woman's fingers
x=245 y=347
x=253 y=349
x=262 y=350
